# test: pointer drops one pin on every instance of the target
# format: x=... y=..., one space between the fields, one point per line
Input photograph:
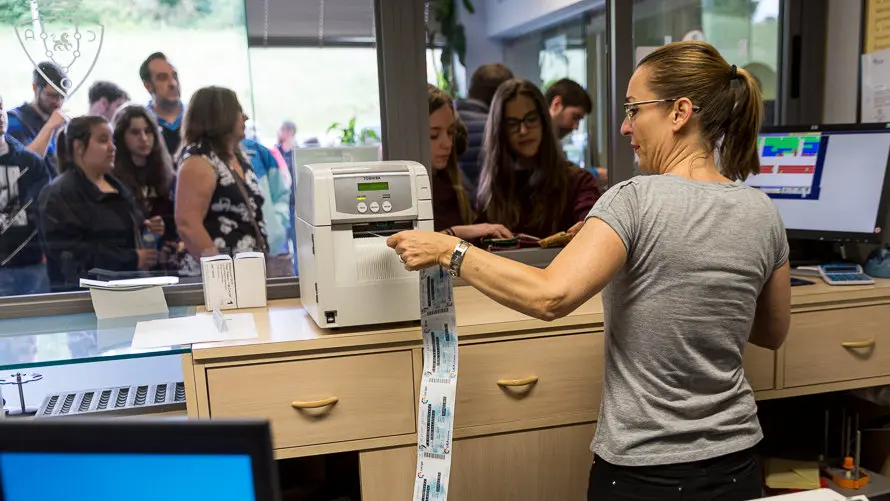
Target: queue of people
x=137 y=189
x=132 y=189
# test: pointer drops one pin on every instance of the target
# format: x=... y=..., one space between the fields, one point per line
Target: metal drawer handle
x=518 y=382
x=858 y=344
x=315 y=404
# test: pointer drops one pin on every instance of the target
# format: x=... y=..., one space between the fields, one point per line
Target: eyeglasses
x=531 y=121
x=631 y=109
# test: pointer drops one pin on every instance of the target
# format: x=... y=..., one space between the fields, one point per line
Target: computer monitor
x=829 y=182
x=100 y=459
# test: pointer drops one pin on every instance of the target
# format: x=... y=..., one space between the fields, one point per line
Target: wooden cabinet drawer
x=760 y=367
x=374 y=397
x=562 y=375
x=837 y=345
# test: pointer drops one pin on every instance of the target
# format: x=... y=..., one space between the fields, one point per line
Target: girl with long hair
x=527 y=184
x=144 y=165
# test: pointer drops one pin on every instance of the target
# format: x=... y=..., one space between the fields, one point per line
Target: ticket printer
x=344 y=214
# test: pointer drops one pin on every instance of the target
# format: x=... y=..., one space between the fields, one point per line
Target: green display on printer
x=378 y=186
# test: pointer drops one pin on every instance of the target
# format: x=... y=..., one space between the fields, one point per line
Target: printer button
x=362 y=207
x=387 y=206
x=375 y=207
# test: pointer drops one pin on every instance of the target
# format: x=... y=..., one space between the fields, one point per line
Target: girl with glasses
x=527 y=184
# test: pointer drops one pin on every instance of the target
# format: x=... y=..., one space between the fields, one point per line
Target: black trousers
x=734 y=477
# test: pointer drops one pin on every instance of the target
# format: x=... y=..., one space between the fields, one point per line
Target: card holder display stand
x=20 y=379
x=122 y=400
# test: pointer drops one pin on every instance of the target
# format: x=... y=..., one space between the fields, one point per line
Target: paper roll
x=438 y=386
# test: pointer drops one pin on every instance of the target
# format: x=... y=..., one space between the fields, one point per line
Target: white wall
x=481 y=49
x=842 y=62
x=509 y=18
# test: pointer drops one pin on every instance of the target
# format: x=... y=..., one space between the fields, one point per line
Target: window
x=312 y=64
x=746 y=32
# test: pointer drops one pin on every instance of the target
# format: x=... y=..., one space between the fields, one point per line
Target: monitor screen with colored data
x=44 y=476
x=829 y=181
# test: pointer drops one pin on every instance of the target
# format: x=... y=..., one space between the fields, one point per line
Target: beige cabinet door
x=535 y=465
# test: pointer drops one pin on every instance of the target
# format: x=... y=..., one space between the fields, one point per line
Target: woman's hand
x=423 y=249
x=155 y=225
x=476 y=231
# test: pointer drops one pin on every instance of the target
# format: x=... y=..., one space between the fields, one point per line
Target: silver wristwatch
x=457 y=258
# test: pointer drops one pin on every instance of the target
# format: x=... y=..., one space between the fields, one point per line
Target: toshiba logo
x=371 y=178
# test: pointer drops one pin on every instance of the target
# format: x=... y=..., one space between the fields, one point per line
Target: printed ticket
x=435 y=414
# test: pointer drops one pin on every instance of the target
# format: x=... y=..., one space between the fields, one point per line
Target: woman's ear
x=681 y=113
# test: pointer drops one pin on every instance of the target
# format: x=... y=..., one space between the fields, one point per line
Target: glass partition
x=197 y=107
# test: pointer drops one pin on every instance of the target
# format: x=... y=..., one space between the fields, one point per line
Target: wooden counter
x=355 y=389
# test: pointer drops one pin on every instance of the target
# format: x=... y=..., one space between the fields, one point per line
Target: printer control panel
x=373 y=194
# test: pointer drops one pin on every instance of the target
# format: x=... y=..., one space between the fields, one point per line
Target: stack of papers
x=191 y=330
x=791 y=474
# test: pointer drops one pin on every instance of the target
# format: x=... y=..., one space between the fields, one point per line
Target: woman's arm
x=196 y=182
x=772 y=318
x=577 y=273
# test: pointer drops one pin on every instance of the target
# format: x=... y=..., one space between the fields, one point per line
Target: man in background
x=35 y=124
x=22 y=175
x=105 y=99
x=287 y=135
x=569 y=104
x=473 y=112
x=162 y=82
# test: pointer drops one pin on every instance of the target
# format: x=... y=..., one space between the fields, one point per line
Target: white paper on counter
x=876 y=86
x=111 y=303
x=190 y=330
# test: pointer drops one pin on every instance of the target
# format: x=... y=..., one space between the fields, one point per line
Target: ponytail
x=78 y=129
x=738 y=151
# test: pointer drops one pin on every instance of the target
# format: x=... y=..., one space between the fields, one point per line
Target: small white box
x=218 y=274
x=250 y=279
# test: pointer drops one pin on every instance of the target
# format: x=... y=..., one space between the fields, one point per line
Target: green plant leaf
x=468 y=6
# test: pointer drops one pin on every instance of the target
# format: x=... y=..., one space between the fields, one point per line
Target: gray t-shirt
x=678 y=316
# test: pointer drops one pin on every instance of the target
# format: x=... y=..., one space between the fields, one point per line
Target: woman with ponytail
x=88 y=218
x=693 y=266
x=452 y=210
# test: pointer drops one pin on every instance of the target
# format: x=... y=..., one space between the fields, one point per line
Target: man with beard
x=161 y=80
x=569 y=104
x=35 y=124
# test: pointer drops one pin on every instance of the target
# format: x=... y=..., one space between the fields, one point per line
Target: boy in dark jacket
x=22 y=175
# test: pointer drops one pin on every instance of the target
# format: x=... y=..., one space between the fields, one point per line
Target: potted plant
x=348 y=134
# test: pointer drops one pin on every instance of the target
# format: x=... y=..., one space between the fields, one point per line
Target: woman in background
x=143 y=164
x=219 y=202
x=88 y=218
x=452 y=210
x=527 y=184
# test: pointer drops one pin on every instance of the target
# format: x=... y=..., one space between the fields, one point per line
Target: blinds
x=310 y=23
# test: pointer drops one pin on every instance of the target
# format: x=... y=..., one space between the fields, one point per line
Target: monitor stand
x=815 y=252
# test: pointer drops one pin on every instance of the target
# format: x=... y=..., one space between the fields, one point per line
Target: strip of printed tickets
x=435 y=416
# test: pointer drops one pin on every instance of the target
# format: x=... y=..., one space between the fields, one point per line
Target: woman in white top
x=692 y=263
